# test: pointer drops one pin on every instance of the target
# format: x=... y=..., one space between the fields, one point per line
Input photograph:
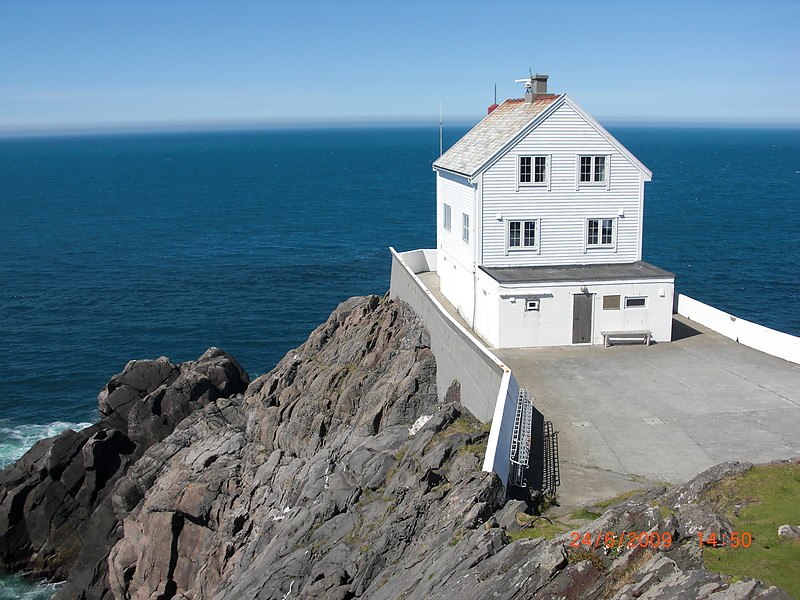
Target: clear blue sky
x=80 y=62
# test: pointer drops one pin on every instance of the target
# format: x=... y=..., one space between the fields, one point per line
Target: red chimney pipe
x=491 y=108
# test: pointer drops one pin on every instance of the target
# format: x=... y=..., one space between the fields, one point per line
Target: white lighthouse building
x=539 y=229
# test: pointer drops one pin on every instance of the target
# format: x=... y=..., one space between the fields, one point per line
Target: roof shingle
x=484 y=140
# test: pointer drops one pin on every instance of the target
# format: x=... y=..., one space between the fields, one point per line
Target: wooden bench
x=609 y=337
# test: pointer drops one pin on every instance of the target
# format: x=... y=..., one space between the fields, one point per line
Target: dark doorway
x=582 y=319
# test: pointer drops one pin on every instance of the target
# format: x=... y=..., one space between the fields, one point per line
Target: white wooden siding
x=460 y=195
x=561 y=209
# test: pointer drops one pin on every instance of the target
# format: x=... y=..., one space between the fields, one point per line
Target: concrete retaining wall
x=769 y=341
x=488 y=388
x=498 y=451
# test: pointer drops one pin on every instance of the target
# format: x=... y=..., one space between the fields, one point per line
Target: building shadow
x=681 y=331
x=535 y=473
x=538 y=473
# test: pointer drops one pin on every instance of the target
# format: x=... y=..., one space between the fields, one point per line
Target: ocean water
x=117 y=247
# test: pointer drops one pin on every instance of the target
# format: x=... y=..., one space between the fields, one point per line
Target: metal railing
x=521 y=440
x=551 y=474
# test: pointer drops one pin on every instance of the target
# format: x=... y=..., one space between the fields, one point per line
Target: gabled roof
x=505 y=125
x=488 y=137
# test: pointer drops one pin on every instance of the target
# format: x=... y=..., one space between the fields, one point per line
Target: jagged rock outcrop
x=48 y=498
x=314 y=484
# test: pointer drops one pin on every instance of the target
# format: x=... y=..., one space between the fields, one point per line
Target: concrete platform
x=632 y=416
x=664 y=412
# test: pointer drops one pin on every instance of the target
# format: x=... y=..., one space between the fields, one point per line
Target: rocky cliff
x=51 y=496
x=337 y=475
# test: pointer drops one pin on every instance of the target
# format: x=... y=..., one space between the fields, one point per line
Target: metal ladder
x=521 y=439
x=551 y=476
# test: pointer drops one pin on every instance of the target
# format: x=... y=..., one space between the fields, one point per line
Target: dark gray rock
x=50 y=497
x=507 y=517
x=692 y=490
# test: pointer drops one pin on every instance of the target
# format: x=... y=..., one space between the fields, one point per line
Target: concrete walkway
x=631 y=416
x=660 y=413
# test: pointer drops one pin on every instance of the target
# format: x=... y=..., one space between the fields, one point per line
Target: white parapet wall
x=769 y=341
x=488 y=387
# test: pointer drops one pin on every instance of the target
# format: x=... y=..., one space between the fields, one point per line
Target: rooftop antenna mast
x=440 y=127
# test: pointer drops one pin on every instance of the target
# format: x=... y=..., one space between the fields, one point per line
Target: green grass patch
x=541 y=529
x=617 y=499
x=585 y=514
x=759 y=501
x=479 y=448
x=467 y=424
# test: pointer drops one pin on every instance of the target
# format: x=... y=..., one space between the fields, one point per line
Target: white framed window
x=532 y=304
x=533 y=170
x=592 y=169
x=465 y=227
x=447 y=216
x=601 y=233
x=635 y=301
x=522 y=235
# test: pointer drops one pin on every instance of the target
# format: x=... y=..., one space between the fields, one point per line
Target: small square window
x=522 y=235
x=636 y=302
x=600 y=232
x=532 y=304
x=592 y=169
x=611 y=302
x=532 y=170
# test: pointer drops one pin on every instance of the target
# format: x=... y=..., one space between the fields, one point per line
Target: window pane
x=635 y=302
x=586 y=168
x=447 y=216
x=608 y=230
x=524 y=169
x=530 y=233
x=593 y=238
x=599 y=168
x=513 y=234
x=465 y=227
x=539 y=169
x=611 y=302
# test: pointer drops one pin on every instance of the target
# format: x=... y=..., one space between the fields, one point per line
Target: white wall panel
x=460 y=195
x=562 y=209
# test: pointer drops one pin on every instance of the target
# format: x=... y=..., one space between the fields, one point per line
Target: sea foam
x=16 y=440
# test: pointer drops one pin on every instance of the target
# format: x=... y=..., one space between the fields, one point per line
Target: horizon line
x=221 y=125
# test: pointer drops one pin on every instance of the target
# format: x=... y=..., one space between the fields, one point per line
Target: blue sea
x=115 y=247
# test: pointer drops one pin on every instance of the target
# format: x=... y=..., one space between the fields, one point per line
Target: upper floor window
x=599 y=232
x=465 y=227
x=532 y=170
x=593 y=169
x=523 y=235
x=447 y=217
